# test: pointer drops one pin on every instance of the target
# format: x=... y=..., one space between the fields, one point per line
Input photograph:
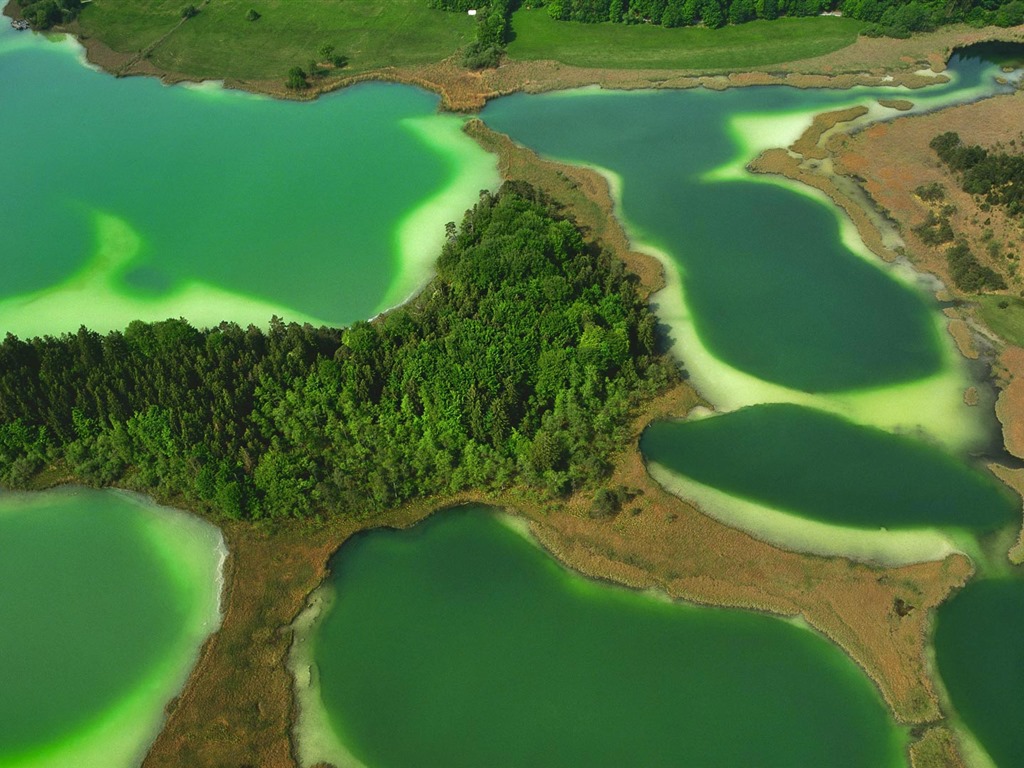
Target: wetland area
x=825 y=412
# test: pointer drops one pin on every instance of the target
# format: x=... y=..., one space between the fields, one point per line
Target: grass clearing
x=645 y=46
x=1007 y=321
x=220 y=42
x=130 y=26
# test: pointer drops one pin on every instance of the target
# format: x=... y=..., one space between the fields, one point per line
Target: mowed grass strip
x=1004 y=315
x=646 y=46
x=220 y=42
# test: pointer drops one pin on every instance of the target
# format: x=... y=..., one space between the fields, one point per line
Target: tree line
x=998 y=177
x=521 y=362
x=894 y=18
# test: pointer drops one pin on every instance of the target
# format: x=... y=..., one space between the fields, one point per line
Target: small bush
x=189 y=11
x=931 y=192
x=479 y=55
x=296 y=79
x=252 y=15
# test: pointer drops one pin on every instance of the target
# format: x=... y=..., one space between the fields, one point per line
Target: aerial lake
x=459 y=642
x=131 y=200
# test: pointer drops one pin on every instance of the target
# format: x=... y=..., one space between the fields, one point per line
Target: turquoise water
x=460 y=643
x=104 y=601
x=126 y=199
x=826 y=468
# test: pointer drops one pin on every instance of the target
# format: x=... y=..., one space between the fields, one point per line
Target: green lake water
x=771 y=288
x=461 y=643
x=770 y=295
x=104 y=602
x=126 y=199
x=979 y=644
x=821 y=466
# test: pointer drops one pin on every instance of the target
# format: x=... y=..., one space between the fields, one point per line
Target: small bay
x=461 y=643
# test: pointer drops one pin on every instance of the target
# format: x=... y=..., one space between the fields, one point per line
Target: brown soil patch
x=937 y=748
x=1010 y=405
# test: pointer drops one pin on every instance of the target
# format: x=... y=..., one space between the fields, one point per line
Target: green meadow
x=643 y=46
x=221 y=41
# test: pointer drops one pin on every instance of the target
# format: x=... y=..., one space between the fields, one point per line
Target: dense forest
x=521 y=362
x=893 y=18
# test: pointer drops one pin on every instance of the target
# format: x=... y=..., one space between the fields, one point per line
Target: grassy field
x=622 y=46
x=219 y=42
x=1007 y=321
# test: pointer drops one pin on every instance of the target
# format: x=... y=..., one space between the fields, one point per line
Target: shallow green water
x=460 y=643
x=104 y=600
x=979 y=645
x=824 y=467
x=769 y=285
x=126 y=199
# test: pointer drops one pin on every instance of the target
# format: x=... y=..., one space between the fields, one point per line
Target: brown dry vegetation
x=901 y=104
x=808 y=145
x=937 y=748
x=893 y=159
x=1010 y=405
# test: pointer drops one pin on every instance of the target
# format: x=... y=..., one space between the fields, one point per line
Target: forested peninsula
x=521 y=362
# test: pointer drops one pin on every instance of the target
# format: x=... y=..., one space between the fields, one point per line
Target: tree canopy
x=522 y=361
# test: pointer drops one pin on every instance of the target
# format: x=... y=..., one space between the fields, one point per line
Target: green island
x=714 y=475
x=521 y=362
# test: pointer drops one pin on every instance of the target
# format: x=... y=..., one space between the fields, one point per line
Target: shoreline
x=876 y=226
x=467 y=91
